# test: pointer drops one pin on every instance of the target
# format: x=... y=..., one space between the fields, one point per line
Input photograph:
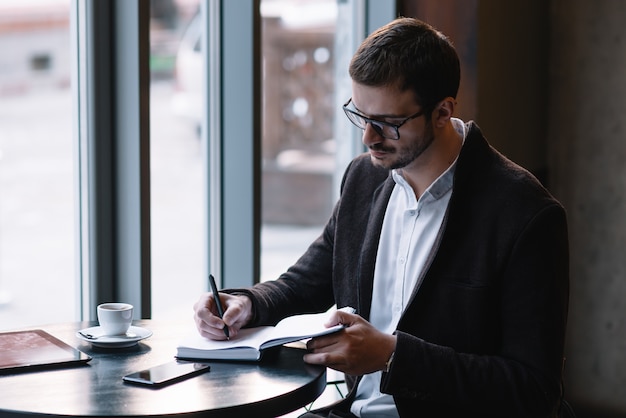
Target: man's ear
x=443 y=112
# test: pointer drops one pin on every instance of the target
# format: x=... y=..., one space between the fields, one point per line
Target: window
x=176 y=158
x=106 y=195
x=306 y=49
x=37 y=217
x=298 y=145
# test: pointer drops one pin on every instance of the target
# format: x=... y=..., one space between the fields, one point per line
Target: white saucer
x=132 y=337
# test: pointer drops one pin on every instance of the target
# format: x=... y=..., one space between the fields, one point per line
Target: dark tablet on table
x=30 y=349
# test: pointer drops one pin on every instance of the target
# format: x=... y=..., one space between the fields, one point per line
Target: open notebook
x=250 y=342
x=31 y=349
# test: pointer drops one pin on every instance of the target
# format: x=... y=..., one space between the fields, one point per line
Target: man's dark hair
x=409 y=54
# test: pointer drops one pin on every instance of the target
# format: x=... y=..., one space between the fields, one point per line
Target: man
x=455 y=258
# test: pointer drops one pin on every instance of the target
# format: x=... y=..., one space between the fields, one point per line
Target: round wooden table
x=280 y=383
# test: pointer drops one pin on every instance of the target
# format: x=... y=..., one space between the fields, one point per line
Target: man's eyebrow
x=381 y=116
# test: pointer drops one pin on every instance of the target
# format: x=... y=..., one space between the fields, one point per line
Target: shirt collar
x=443 y=183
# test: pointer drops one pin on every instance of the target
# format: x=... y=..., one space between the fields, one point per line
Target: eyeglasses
x=384 y=129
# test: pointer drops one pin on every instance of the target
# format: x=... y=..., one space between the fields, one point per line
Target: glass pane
x=37 y=247
x=176 y=158
x=298 y=147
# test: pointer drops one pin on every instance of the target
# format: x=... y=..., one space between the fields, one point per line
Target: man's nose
x=371 y=136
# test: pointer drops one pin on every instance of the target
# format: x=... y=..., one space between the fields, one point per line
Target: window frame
x=233 y=187
x=111 y=123
x=113 y=157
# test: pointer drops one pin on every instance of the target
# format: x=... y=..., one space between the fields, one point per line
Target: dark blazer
x=483 y=334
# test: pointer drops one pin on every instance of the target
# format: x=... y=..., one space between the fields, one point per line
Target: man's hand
x=358 y=349
x=237 y=313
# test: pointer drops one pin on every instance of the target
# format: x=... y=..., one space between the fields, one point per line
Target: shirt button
x=402 y=260
x=411 y=213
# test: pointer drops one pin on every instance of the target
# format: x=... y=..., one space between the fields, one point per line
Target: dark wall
x=503 y=46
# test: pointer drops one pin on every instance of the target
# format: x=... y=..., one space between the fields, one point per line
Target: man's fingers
x=341 y=318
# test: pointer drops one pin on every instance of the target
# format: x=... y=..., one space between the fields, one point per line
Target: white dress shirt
x=409 y=230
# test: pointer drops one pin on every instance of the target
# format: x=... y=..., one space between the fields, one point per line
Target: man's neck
x=444 y=150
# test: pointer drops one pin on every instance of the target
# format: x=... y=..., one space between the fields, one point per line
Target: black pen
x=218 y=303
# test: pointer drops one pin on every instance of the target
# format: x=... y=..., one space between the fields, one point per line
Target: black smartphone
x=167 y=373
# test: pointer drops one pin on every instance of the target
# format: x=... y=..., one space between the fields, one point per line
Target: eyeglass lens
x=381 y=128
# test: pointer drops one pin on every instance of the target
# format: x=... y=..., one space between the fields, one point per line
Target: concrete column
x=587 y=160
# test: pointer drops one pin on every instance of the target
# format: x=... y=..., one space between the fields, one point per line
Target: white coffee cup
x=115 y=318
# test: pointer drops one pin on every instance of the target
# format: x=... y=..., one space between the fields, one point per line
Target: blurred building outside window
x=298 y=163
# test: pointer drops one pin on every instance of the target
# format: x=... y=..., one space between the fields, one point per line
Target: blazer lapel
x=369 y=250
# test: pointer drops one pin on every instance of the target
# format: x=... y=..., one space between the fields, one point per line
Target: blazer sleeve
x=307 y=286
